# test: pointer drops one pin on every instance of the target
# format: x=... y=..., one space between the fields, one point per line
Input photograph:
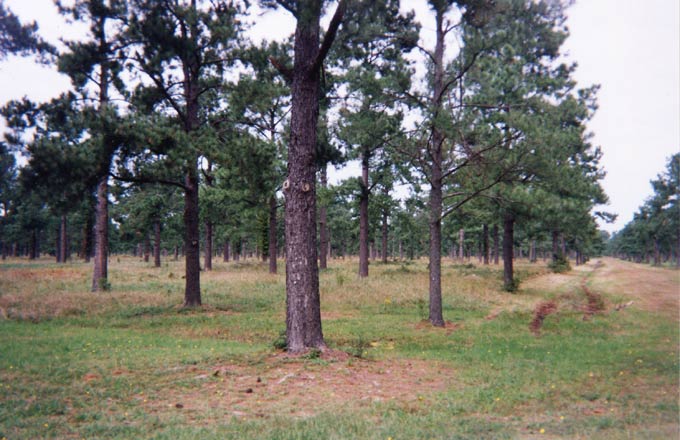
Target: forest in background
x=177 y=139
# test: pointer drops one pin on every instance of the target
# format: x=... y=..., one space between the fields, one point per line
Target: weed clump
x=560 y=264
x=359 y=348
x=281 y=341
x=541 y=311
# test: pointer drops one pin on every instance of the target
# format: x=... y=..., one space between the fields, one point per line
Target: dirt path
x=650 y=288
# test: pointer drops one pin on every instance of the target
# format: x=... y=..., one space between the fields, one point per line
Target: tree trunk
x=496 y=250
x=485 y=243
x=363 y=217
x=192 y=286
x=323 y=224
x=461 y=244
x=147 y=247
x=508 y=239
x=157 y=244
x=208 y=246
x=436 y=200
x=555 y=246
x=273 y=245
x=63 y=240
x=226 y=251
x=657 y=252
x=33 y=246
x=86 y=248
x=303 y=308
x=532 y=251
x=385 y=231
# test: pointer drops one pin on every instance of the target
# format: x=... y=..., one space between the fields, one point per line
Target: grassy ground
x=131 y=363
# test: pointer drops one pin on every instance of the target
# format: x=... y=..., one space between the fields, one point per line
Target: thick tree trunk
x=508 y=239
x=226 y=251
x=273 y=245
x=485 y=243
x=157 y=244
x=303 y=309
x=323 y=224
x=532 y=251
x=208 y=246
x=192 y=286
x=461 y=244
x=496 y=250
x=563 y=246
x=363 y=217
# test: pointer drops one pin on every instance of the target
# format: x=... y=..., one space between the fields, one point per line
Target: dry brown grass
x=650 y=288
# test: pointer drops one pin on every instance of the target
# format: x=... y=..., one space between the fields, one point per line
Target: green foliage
x=281 y=342
x=655 y=229
x=560 y=264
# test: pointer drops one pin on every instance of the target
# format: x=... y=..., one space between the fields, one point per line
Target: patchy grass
x=131 y=363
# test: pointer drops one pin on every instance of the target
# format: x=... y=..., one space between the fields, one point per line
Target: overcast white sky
x=630 y=47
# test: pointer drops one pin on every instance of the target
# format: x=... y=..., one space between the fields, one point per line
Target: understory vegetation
x=132 y=363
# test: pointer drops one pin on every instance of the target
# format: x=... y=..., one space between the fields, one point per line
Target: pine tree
x=199 y=42
x=303 y=310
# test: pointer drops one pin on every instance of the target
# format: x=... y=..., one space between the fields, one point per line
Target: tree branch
x=285 y=71
x=147 y=180
x=330 y=36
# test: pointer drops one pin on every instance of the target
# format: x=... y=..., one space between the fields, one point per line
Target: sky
x=631 y=48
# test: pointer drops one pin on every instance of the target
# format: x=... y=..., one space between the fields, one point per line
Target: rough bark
x=303 y=309
x=323 y=224
x=508 y=239
x=273 y=245
x=192 y=286
x=436 y=199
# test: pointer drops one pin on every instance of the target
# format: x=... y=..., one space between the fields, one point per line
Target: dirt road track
x=651 y=288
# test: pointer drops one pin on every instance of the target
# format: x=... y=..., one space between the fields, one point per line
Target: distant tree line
x=653 y=236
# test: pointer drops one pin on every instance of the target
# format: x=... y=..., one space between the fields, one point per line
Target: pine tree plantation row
x=179 y=130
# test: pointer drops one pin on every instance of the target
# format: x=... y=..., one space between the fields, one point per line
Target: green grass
x=118 y=364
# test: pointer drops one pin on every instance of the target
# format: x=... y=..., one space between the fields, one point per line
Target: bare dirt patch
x=291 y=386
